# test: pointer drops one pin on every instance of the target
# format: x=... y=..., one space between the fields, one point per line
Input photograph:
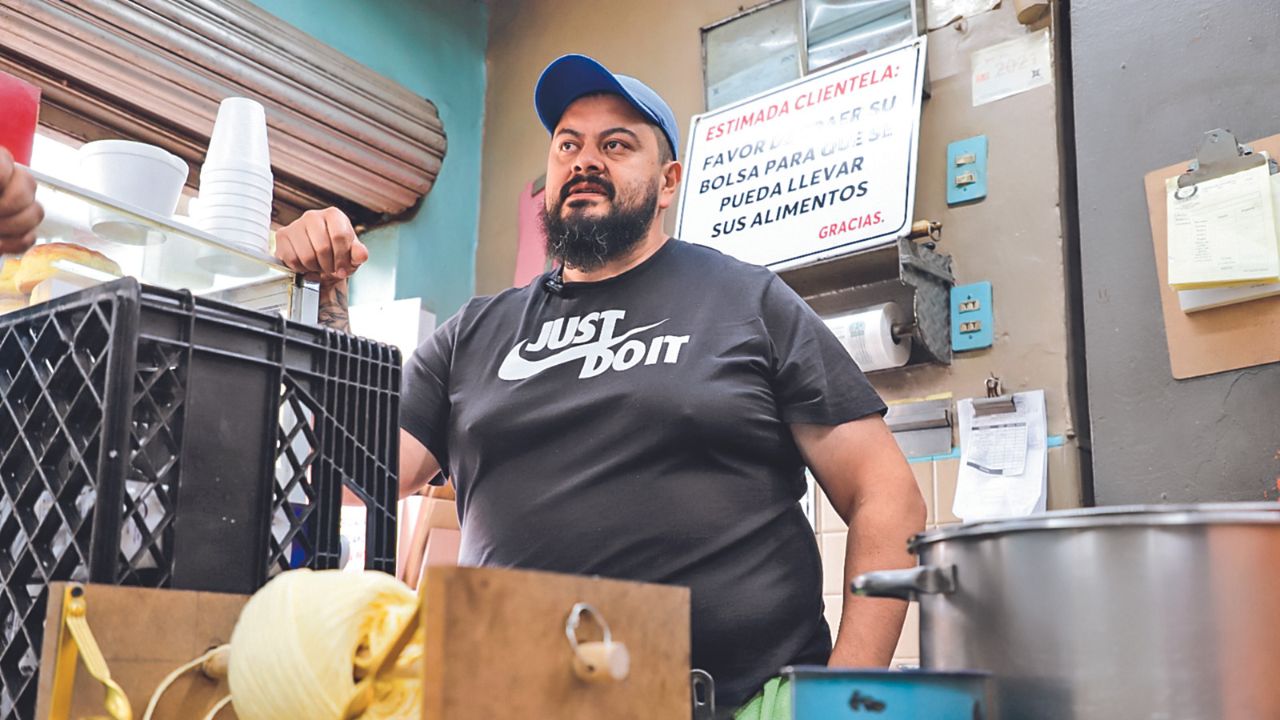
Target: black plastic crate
x=151 y=438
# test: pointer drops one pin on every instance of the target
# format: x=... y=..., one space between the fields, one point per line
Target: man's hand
x=19 y=211
x=322 y=246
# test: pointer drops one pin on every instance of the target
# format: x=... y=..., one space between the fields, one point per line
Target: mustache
x=592 y=181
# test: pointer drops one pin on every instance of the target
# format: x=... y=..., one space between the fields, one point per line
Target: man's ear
x=671 y=176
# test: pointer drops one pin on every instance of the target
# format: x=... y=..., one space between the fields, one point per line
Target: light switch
x=967 y=170
x=972 y=322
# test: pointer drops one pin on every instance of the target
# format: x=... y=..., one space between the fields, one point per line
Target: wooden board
x=434 y=514
x=144 y=634
x=1221 y=339
x=496 y=647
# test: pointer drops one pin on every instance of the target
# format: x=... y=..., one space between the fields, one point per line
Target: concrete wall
x=435 y=48
x=1013 y=238
x=1150 y=78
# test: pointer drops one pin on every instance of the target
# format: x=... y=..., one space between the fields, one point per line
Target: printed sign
x=1013 y=67
x=812 y=169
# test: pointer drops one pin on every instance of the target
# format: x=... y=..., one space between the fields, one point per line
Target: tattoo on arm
x=333 y=307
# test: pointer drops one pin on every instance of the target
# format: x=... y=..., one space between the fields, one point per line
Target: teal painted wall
x=436 y=48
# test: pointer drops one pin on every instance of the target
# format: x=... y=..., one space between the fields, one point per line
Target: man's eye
x=566 y=146
x=613 y=145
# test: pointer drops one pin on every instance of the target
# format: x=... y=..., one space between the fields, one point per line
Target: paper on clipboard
x=1222 y=231
x=1209 y=298
x=1003 y=460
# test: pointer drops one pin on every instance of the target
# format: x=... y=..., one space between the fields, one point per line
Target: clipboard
x=1224 y=338
x=1220 y=155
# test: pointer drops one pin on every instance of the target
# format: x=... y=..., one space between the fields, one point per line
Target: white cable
x=172 y=677
x=218 y=708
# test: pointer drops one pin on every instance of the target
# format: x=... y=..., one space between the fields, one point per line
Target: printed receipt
x=1003 y=460
x=1223 y=231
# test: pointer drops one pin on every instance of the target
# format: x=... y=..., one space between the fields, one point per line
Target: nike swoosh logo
x=516 y=367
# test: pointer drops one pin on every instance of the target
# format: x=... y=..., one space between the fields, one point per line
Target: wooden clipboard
x=1220 y=339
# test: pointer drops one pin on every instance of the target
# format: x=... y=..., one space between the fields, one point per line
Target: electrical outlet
x=967 y=170
x=972 y=320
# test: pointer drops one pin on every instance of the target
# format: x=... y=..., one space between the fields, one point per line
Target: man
x=646 y=410
x=19 y=211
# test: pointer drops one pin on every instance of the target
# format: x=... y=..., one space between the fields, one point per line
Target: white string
x=172 y=677
x=218 y=708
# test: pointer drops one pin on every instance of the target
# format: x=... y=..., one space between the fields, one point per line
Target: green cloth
x=773 y=703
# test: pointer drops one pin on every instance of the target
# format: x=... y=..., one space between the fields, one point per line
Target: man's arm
x=334 y=311
x=864 y=474
x=417 y=464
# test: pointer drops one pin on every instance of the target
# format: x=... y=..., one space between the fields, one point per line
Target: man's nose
x=588 y=161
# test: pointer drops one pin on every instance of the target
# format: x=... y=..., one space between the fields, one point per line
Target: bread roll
x=8 y=275
x=37 y=263
x=9 y=303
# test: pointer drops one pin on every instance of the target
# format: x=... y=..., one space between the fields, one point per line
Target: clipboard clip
x=1219 y=155
x=996 y=402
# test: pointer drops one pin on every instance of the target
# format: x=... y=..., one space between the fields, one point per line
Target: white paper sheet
x=1003 y=460
x=1012 y=67
x=1223 y=230
x=1209 y=298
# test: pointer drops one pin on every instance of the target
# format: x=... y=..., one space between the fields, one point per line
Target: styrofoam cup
x=211 y=209
x=235 y=187
x=240 y=135
x=232 y=196
x=214 y=204
x=252 y=240
x=240 y=224
x=245 y=240
x=135 y=174
x=235 y=178
x=243 y=173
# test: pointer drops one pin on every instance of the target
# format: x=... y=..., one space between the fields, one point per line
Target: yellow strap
x=75 y=638
x=378 y=669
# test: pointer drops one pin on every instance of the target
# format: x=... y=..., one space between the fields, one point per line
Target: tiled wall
x=937 y=481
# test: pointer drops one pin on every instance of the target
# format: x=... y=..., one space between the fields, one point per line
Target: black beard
x=589 y=244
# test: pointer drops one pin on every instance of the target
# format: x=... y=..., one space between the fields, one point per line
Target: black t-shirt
x=637 y=428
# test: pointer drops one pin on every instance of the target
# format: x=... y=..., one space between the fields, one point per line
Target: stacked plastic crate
x=151 y=438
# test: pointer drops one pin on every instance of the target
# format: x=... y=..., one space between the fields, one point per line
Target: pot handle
x=906 y=584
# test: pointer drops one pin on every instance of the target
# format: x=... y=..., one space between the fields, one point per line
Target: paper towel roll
x=868 y=336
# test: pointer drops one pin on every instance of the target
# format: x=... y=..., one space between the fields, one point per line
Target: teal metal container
x=819 y=693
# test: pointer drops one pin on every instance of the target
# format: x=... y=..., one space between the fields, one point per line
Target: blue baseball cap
x=570 y=77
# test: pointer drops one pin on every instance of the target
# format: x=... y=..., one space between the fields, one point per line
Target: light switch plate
x=967 y=170
x=972 y=321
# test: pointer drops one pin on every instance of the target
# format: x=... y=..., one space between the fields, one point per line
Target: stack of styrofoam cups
x=235 y=186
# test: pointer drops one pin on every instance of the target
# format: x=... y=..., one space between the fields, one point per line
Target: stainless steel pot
x=1126 y=613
